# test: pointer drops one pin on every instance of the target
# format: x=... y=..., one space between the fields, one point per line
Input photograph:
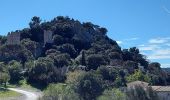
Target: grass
x=22 y=84
x=4 y=93
x=25 y=85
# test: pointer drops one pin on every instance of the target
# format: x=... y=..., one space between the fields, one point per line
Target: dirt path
x=28 y=95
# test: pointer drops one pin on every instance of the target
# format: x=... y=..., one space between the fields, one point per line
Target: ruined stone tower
x=47 y=36
x=13 y=38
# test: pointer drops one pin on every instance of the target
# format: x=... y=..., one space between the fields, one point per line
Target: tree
x=3 y=67
x=114 y=55
x=30 y=45
x=107 y=73
x=25 y=34
x=58 y=39
x=68 y=48
x=119 y=82
x=103 y=31
x=89 y=86
x=4 y=75
x=60 y=92
x=4 y=78
x=138 y=76
x=42 y=71
x=83 y=59
x=35 y=21
x=36 y=29
x=154 y=67
x=62 y=60
x=15 y=69
x=73 y=77
x=3 y=39
x=134 y=50
x=127 y=55
x=14 y=52
x=131 y=66
x=94 y=61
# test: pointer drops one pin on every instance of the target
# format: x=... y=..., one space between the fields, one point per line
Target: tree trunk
x=5 y=85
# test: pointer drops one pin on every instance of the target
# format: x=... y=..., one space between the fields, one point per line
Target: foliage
x=120 y=82
x=138 y=76
x=44 y=72
x=58 y=39
x=14 y=52
x=62 y=60
x=35 y=21
x=15 y=69
x=94 y=61
x=81 y=55
x=4 y=74
x=60 y=92
x=131 y=66
x=5 y=94
x=68 y=48
x=73 y=77
x=112 y=94
x=3 y=39
x=107 y=73
x=4 y=78
x=30 y=45
x=89 y=86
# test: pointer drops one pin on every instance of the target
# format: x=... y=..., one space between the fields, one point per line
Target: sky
x=141 y=23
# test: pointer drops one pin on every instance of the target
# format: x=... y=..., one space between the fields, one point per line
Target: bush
x=60 y=92
x=138 y=76
x=15 y=69
x=89 y=86
x=94 y=61
x=112 y=94
x=107 y=73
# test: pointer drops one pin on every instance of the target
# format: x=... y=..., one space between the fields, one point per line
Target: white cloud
x=132 y=39
x=160 y=54
x=119 y=42
x=159 y=40
x=157 y=49
x=148 y=47
x=141 y=45
x=163 y=51
x=165 y=65
x=158 y=57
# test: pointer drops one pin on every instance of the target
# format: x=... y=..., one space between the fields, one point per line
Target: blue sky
x=141 y=23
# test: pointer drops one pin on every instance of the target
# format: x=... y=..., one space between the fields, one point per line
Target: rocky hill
x=46 y=51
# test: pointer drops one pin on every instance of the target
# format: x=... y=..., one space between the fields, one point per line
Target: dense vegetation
x=85 y=62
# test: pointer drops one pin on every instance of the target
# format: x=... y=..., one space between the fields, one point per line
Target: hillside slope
x=67 y=46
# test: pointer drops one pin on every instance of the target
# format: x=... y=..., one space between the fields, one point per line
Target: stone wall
x=164 y=95
x=13 y=38
x=47 y=36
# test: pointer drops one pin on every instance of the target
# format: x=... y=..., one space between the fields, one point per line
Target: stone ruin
x=47 y=36
x=13 y=38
